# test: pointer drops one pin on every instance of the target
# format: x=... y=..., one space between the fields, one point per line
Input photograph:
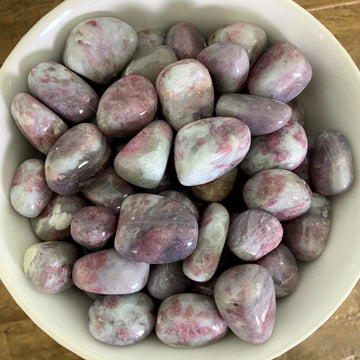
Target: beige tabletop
x=337 y=339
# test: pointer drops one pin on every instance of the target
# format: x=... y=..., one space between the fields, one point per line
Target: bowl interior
x=331 y=101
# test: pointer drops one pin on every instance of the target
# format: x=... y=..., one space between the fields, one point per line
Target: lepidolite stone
x=245 y=298
x=106 y=272
x=78 y=156
x=142 y=162
x=279 y=192
x=155 y=229
x=122 y=319
x=208 y=148
x=99 y=48
x=189 y=320
x=148 y=39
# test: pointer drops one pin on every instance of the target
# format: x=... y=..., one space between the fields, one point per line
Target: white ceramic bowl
x=331 y=100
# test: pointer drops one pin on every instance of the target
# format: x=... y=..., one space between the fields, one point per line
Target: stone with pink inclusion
x=189 y=320
x=148 y=39
x=279 y=192
x=281 y=73
x=142 y=161
x=201 y=265
x=208 y=148
x=29 y=192
x=106 y=272
x=245 y=298
x=40 y=125
x=285 y=148
x=253 y=234
x=122 y=319
x=155 y=229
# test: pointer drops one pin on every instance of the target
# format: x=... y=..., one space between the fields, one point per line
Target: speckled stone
x=122 y=319
x=207 y=149
x=189 y=320
x=245 y=298
x=147 y=39
x=155 y=229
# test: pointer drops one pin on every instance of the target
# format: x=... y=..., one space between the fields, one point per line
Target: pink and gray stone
x=93 y=226
x=99 y=48
x=209 y=148
x=189 y=320
x=245 y=298
x=279 y=192
x=142 y=161
x=202 y=264
x=228 y=64
x=298 y=111
x=249 y=36
x=128 y=105
x=253 y=234
x=63 y=91
x=281 y=73
x=155 y=229
x=285 y=148
x=331 y=163
x=283 y=268
x=40 y=125
x=186 y=92
x=106 y=272
x=147 y=39
x=48 y=265
x=54 y=221
x=122 y=319
x=185 y=39
x=306 y=236
x=262 y=115
x=167 y=279
x=77 y=157
x=29 y=192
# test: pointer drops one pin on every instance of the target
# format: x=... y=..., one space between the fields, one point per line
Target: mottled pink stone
x=155 y=229
x=189 y=320
x=245 y=298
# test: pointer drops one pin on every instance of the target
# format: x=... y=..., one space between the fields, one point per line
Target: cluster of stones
x=175 y=198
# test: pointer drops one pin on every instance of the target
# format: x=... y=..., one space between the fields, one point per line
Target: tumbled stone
x=205 y=288
x=298 y=111
x=189 y=320
x=303 y=170
x=245 y=298
x=155 y=229
x=147 y=39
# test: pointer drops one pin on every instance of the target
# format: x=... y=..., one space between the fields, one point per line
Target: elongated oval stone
x=208 y=148
x=245 y=298
x=155 y=229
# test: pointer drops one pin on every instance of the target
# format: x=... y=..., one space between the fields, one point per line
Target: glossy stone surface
x=40 y=125
x=48 y=265
x=147 y=39
x=126 y=106
x=107 y=272
x=245 y=298
x=253 y=234
x=281 y=73
x=262 y=115
x=249 y=36
x=298 y=111
x=228 y=64
x=29 y=192
x=331 y=163
x=213 y=229
x=166 y=280
x=209 y=148
x=63 y=91
x=122 y=319
x=142 y=162
x=285 y=148
x=283 y=269
x=155 y=229
x=54 y=221
x=99 y=48
x=279 y=192
x=306 y=236
x=185 y=92
x=189 y=320
x=78 y=156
